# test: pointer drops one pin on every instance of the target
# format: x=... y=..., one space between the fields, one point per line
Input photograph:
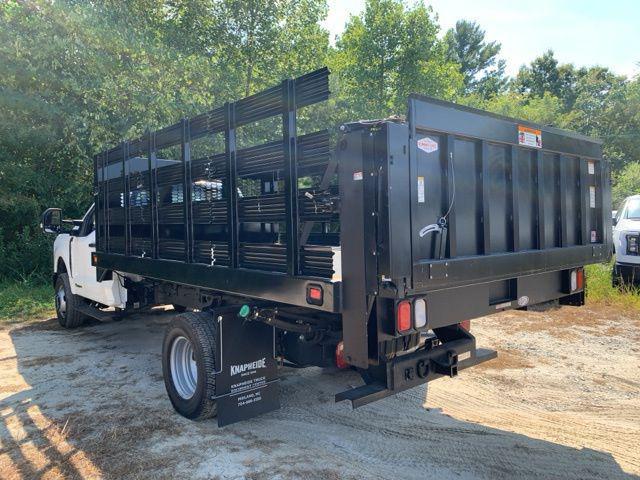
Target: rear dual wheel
x=188 y=364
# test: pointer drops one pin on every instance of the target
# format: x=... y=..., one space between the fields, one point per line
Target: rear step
x=96 y=313
x=419 y=367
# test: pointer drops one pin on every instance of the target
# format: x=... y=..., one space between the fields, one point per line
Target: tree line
x=78 y=76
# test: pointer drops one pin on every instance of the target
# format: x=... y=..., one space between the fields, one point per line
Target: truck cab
x=74 y=277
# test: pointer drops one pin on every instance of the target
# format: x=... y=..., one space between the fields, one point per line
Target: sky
x=585 y=33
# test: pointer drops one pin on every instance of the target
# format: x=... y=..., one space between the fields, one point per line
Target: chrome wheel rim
x=61 y=302
x=184 y=370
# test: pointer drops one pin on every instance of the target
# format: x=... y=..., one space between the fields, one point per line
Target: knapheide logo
x=238 y=369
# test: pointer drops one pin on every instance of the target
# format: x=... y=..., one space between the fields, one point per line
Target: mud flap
x=247 y=380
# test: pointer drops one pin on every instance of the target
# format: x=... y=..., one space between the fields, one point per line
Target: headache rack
x=235 y=199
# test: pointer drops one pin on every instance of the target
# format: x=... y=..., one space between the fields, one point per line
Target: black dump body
x=471 y=211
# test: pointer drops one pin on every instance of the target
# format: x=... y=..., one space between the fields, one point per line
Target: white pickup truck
x=626 y=242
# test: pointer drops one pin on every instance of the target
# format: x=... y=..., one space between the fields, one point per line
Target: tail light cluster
x=410 y=316
x=413 y=316
x=576 y=280
x=341 y=362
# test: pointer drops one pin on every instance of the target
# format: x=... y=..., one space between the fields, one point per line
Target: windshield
x=633 y=209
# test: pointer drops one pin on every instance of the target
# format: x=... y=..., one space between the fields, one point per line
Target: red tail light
x=403 y=319
x=314 y=294
x=580 y=278
x=341 y=363
x=466 y=324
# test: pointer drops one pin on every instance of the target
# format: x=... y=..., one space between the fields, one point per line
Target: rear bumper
x=421 y=366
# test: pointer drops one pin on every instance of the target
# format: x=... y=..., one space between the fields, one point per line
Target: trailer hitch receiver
x=421 y=366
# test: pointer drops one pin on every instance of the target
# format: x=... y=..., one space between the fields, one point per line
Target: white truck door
x=83 y=274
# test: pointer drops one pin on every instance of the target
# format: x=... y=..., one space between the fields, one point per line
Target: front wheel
x=188 y=364
x=67 y=304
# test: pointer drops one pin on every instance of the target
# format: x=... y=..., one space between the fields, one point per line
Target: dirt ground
x=561 y=401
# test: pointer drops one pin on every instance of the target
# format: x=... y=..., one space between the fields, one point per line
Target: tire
x=67 y=304
x=615 y=277
x=179 y=308
x=191 y=335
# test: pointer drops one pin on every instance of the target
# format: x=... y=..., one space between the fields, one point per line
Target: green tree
x=479 y=64
x=546 y=110
x=255 y=42
x=543 y=75
x=606 y=106
x=388 y=52
x=593 y=101
x=626 y=183
x=76 y=77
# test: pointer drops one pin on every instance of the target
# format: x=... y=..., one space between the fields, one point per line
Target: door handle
x=92 y=245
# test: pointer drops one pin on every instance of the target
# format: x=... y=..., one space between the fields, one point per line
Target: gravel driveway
x=562 y=401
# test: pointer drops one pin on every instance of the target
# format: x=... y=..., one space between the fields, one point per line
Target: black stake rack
x=186 y=204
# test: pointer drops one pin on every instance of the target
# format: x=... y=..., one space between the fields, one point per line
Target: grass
x=600 y=290
x=25 y=301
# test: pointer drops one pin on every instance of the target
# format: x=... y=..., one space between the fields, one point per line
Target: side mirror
x=614 y=221
x=52 y=220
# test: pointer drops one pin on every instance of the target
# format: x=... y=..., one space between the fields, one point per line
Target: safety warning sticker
x=427 y=144
x=529 y=137
x=420 y=189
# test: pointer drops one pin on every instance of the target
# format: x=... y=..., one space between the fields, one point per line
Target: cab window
x=88 y=223
x=632 y=209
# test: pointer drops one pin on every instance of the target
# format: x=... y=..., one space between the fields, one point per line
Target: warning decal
x=529 y=137
x=420 y=189
x=427 y=144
